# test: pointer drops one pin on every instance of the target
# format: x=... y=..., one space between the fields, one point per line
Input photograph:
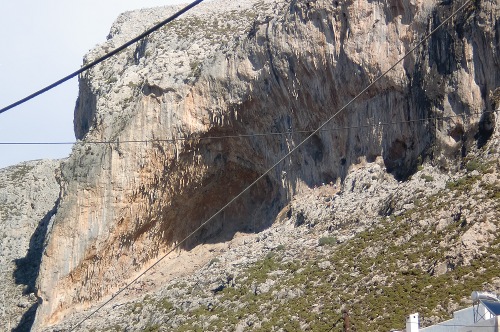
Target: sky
x=41 y=42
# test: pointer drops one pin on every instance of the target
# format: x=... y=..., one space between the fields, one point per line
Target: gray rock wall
x=28 y=199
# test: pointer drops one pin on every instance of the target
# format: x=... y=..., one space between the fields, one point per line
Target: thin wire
x=105 y=57
x=177 y=246
x=177 y=139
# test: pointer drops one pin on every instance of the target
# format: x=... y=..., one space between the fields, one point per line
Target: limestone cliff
x=245 y=68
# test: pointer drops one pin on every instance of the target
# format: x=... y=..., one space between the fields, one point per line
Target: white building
x=483 y=316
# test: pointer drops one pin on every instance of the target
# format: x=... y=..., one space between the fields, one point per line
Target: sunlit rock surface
x=248 y=68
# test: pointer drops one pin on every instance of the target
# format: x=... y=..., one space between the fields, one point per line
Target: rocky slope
x=28 y=200
x=378 y=248
x=251 y=67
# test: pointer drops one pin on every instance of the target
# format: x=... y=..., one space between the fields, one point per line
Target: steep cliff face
x=249 y=68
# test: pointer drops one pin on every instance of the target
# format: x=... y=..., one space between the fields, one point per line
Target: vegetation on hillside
x=414 y=260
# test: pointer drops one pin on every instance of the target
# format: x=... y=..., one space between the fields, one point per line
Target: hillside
x=391 y=208
x=380 y=250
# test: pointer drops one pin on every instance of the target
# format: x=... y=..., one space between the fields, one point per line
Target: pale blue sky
x=43 y=41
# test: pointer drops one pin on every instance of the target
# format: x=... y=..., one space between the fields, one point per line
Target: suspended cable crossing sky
x=103 y=58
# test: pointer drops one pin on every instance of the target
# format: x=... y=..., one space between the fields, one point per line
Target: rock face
x=277 y=68
x=372 y=245
x=28 y=199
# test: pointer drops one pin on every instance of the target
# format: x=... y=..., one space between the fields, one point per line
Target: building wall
x=461 y=318
x=489 y=325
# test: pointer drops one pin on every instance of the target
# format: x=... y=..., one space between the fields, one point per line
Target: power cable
x=105 y=57
x=177 y=246
x=177 y=139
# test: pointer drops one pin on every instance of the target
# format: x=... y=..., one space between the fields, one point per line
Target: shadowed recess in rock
x=27 y=268
x=27 y=320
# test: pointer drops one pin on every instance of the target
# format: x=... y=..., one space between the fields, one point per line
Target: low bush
x=327 y=241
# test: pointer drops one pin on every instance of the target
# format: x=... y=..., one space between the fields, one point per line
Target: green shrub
x=165 y=304
x=475 y=165
x=214 y=261
x=427 y=178
x=152 y=328
x=463 y=184
x=270 y=255
x=327 y=241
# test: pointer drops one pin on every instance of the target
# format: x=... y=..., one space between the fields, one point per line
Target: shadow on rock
x=27 y=268
x=27 y=320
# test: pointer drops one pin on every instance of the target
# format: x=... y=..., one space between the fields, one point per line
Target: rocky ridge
x=266 y=67
x=28 y=199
